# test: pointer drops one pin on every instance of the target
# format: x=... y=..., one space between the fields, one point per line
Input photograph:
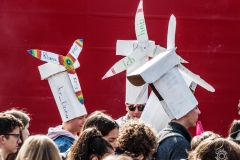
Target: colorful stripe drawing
x=35 y=53
x=79 y=42
x=80 y=96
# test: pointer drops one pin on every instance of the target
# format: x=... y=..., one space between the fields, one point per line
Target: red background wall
x=207 y=36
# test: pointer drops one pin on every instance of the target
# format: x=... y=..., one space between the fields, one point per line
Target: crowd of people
x=99 y=137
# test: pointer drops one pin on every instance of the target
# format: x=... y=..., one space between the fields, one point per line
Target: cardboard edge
x=136 y=80
x=156 y=92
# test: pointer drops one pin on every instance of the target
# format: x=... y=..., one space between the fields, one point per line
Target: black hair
x=89 y=143
x=8 y=123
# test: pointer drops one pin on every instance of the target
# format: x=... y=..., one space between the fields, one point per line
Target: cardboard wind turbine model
x=154 y=113
x=63 y=80
x=163 y=73
x=135 y=50
x=133 y=54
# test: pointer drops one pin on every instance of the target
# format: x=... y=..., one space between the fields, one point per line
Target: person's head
x=75 y=125
x=116 y=157
x=190 y=119
x=90 y=146
x=9 y=134
x=234 y=129
x=216 y=149
x=137 y=139
x=134 y=111
x=105 y=124
x=24 y=117
x=38 y=147
x=196 y=140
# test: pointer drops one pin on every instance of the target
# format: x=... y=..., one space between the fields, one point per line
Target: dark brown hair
x=8 y=123
x=136 y=138
x=103 y=122
x=196 y=140
x=20 y=114
x=90 y=142
x=218 y=148
x=234 y=129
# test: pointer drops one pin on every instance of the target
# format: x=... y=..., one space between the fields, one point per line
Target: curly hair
x=218 y=148
x=137 y=138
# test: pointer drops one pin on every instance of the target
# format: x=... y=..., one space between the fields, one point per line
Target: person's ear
x=126 y=106
x=2 y=139
x=94 y=158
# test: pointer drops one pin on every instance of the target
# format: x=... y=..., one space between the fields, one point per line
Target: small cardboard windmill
x=63 y=80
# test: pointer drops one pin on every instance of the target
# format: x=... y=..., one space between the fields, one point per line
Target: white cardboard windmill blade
x=63 y=80
x=164 y=77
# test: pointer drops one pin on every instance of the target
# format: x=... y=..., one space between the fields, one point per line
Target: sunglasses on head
x=133 y=108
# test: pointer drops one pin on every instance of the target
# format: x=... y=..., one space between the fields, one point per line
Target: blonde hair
x=38 y=147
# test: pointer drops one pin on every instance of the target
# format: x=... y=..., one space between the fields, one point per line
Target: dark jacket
x=175 y=145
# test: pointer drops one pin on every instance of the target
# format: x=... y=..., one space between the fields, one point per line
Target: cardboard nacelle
x=167 y=83
x=64 y=95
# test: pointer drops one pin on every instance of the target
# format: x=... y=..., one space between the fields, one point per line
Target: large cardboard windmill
x=154 y=113
x=63 y=80
x=163 y=73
